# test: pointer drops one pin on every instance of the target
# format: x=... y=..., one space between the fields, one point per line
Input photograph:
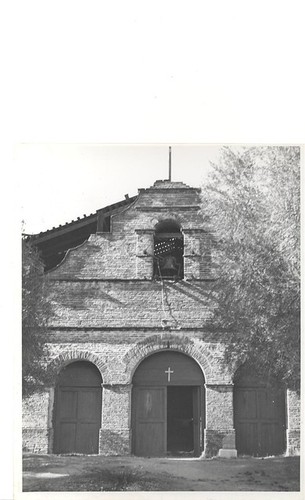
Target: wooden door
x=149 y=426
x=78 y=409
x=259 y=415
x=272 y=430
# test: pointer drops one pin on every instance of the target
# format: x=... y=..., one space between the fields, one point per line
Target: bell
x=169 y=263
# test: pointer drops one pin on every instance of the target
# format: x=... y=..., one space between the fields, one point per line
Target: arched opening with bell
x=168 y=250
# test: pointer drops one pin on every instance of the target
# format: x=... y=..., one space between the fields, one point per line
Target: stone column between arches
x=219 y=434
x=114 y=438
x=293 y=423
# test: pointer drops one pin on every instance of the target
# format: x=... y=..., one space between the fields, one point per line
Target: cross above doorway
x=169 y=371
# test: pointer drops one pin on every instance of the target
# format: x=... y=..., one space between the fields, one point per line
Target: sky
x=59 y=182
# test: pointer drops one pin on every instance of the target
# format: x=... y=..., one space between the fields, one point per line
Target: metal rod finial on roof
x=170 y=164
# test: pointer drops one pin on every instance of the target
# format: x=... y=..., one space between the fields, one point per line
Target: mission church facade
x=135 y=367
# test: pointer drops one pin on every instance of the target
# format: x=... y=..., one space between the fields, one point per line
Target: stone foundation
x=35 y=440
x=293 y=442
x=216 y=440
x=114 y=442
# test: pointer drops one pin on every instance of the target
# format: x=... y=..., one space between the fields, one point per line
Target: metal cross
x=169 y=371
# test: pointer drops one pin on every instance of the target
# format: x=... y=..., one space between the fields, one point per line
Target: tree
x=252 y=200
x=35 y=311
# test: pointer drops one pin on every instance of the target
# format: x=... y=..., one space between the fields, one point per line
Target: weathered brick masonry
x=109 y=310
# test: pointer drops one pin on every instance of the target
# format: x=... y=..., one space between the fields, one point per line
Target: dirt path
x=96 y=473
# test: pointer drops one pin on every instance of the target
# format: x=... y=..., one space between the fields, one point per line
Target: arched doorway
x=259 y=415
x=77 y=415
x=167 y=406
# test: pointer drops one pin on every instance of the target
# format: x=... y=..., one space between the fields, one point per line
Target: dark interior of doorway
x=180 y=421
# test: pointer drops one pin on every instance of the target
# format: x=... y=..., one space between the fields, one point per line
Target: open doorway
x=180 y=420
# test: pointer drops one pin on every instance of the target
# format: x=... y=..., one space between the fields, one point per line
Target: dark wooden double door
x=259 y=415
x=78 y=409
x=166 y=416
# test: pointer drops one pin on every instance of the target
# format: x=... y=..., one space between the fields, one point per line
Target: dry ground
x=97 y=473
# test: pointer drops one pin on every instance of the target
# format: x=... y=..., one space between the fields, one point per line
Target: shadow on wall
x=214 y=442
x=114 y=442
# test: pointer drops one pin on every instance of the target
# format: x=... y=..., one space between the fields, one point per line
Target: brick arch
x=169 y=342
x=168 y=221
x=68 y=357
x=165 y=217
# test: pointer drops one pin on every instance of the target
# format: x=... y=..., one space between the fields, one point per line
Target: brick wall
x=294 y=422
x=126 y=252
x=129 y=304
x=35 y=422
